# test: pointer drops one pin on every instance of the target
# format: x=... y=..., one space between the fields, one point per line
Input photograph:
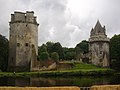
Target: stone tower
x=23 y=41
x=99 y=46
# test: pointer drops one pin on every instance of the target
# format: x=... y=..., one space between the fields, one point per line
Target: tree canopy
x=44 y=56
x=55 y=56
x=64 y=53
x=115 y=52
x=82 y=46
x=58 y=48
x=3 y=53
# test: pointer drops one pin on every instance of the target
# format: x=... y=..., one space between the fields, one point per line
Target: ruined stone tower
x=23 y=41
x=99 y=46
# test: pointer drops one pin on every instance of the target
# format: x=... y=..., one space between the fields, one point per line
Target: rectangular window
x=32 y=45
x=26 y=44
x=100 y=52
x=18 y=44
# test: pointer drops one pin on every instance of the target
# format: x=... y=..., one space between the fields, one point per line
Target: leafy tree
x=115 y=52
x=58 y=48
x=50 y=47
x=65 y=49
x=42 y=48
x=44 y=56
x=70 y=55
x=82 y=46
x=55 y=56
x=3 y=53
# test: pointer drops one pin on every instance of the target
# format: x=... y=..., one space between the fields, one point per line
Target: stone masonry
x=99 y=46
x=23 y=41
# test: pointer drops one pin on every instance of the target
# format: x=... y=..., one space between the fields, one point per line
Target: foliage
x=115 y=52
x=70 y=56
x=3 y=53
x=50 y=47
x=44 y=56
x=55 y=56
x=64 y=52
x=82 y=46
x=58 y=48
x=43 y=48
x=69 y=53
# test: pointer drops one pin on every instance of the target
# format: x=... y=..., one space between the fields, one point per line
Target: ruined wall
x=23 y=41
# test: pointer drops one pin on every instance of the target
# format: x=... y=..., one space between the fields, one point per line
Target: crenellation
x=12 y=17
x=35 y=19
x=19 y=16
x=27 y=17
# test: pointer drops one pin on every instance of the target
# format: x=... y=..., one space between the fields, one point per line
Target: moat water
x=59 y=81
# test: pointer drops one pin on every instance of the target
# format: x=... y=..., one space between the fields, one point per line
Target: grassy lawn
x=78 y=69
x=88 y=67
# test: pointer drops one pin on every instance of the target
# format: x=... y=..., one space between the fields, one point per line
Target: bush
x=55 y=56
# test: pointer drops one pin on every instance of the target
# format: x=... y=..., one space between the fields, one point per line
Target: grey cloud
x=53 y=21
x=58 y=24
x=110 y=16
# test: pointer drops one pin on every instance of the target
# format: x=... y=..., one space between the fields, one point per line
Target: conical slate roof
x=98 y=29
x=98 y=26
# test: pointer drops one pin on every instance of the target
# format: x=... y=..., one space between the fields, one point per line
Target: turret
x=99 y=46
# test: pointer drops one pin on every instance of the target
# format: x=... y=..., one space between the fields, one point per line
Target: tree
x=69 y=53
x=70 y=56
x=82 y=47
x=4 y=45
x=58 y=48
x=55 y=56
x=49 y=47
x=42 y=48
x=115 y=52
x=44 y=56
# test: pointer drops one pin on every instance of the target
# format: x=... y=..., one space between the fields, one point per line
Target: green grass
x=88 y=67
x=80 y=69
x=84 y=66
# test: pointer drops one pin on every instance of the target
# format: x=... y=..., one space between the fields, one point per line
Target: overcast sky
x=64 y=21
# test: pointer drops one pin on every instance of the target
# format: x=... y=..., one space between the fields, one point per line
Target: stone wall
x=40 y=88
x=99 y=53
x=62 y=66
x=106 y=87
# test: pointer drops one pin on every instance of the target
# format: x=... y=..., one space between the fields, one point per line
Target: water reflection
x=58 y=81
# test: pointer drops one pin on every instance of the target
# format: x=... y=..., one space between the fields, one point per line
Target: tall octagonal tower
x=99 y=46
